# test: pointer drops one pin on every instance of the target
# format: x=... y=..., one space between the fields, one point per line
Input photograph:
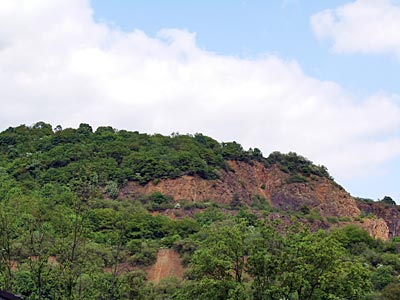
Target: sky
x=319 y=78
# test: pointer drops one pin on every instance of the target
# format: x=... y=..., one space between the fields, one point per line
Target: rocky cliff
x=378 y=210
x=246 y=182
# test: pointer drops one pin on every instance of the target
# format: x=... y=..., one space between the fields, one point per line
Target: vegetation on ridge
x=39 y=155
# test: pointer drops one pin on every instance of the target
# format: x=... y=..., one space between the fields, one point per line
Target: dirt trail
x=168 y=264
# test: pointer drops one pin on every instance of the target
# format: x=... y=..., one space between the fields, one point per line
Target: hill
x=84 y=213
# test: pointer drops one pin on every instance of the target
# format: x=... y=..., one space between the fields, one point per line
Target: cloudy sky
x=320 y=78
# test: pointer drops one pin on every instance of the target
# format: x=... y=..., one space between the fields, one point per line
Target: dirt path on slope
x=168 y=264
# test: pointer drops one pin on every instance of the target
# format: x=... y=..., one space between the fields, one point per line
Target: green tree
x=8 y=229
x=37 y=236
x=388 y=200
x=306 y=266
x=219 y=264
x=391 y=291
x=382 y=276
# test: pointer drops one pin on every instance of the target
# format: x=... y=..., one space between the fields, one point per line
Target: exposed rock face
x=248 y=180
x=377 y=228
x=320 y=194
x=389 y=213
x=245 y=181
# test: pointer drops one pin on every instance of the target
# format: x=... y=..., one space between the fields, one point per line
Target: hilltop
x=188 y=168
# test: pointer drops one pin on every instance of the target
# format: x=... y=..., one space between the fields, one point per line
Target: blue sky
x=255 y=27
x=316 y=77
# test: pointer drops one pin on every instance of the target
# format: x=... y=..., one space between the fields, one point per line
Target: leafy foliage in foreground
x=242 y=262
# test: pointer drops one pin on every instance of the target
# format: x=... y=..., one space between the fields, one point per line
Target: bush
x=260 y=203
x=210 y=215
x=296 y=178
x=354 y=238
x=391 y=291
x=305 y=209
x=332 y=220
x=382 y=276
x=157 y=201
x=236 y=202
x=388 y=200
x=143 y=252
x=293 y=163
x=314 y=216
x=112 y=189
x=186 y=248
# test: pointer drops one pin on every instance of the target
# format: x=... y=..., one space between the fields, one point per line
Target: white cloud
x=364 y=26
x=58 y=65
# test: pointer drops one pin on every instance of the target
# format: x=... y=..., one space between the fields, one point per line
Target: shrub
x=260 y=203
x=157 y=201
x=305 y=209
x=143 y=252
x=388 y=200
x=314 y=216
x=332 y=220
x=112 y=189
x=296 y=178
x=236 y=202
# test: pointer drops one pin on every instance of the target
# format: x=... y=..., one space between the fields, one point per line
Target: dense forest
x=67 y=233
